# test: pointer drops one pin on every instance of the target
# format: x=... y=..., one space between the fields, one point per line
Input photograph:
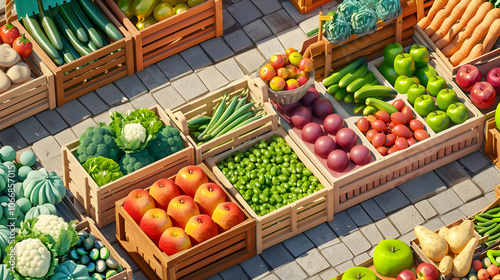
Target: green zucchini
x=50 y=27
x=73 y=22
x=100 y=19
x=69 y=47
x=36 y=31
x=66 y=30
x=94 y=35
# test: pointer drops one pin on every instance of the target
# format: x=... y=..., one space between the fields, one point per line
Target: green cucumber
x=370 y=110
x=33 y=27
x=99 y=19
x=50 y=27
x=374 y=91
x=94 y=35
x=333 y=89
x=351 y=77
x=340 y=94
x=358 y=109
x=73 y=22
x=66 y=30
x=381 y=105
x=335 y=77
x=360 y=82
x=349 y=98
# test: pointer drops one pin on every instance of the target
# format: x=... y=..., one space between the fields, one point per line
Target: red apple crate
x=89 y=225
x=173 y=35
x=204 y=106
x=199 y=262
x=98 y=202
x=291 y=219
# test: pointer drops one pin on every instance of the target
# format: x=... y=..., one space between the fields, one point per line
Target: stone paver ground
x=253 y=31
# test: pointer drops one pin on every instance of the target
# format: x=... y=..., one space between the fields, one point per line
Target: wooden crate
x=205 y=106
x=492 y=142
x=291 y=219
x=98 y=202
x=88 y=224
x=24 y=100
x=328 y=57
x=199 y=262
x=92 y=71
x=306 y=6
x=172 y=35
x=494 y=204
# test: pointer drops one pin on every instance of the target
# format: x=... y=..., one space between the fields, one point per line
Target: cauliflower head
x=97 y=141
x=131 y=162
x=51 y=225
x=133 y=131
x=168 y=141
x=33 y=259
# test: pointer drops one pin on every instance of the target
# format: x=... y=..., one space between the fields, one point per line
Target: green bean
x=493 y=211
x=215 y=116
x=227 y=112
x=232 y=118
x=494 y=230
x=235 y=123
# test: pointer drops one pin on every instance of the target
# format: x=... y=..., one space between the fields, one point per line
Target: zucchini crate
x=306 y=6
x=199 y=262
x=492 y=142
x=204 y=106
x=99 y=202
x=172 y=35
x=91 y=71
x=290 y=219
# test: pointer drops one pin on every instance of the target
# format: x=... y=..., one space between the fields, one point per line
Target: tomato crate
x=205 y=106
x=288 y=220
x=98 y=202
x=26 y=99
x=91 y=71
x=492 y=142
x=199 y=262
x=88 y=224
x=306 y=6
x=172 y=35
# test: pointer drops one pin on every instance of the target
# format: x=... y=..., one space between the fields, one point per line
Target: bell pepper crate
x=205 y=106
x=306 y=6
x=91 y=71
x=98 y=202
x=492 y=142
x=327 y=56
x=198 y=262
x=89 y=225
x=172 y=35
x=290 y=219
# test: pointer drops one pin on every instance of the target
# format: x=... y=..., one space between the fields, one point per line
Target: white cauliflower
x=50 y=225
x=33 y=259
x=133 y=131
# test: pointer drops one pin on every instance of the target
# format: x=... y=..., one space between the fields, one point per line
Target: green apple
x=390 y=53
x=404 y=64
x=457 y=112
x=388 y=72
x=172 y=2
x=438 y=121
x=391 y=256
x=420 y=55
x=415 y=91
x=359 y=273
x=415 y=79
x=424 y=73
x=435 y=85
x=445 y=98
x=193 y=3
x=424 y=105
x=403 y=83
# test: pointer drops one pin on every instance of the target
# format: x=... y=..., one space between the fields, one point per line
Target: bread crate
x=199 y=262
x=205 y=106
x=288 y=220
x=91 y=71
x=172 y=35
x=306 y=6
x=98 y=202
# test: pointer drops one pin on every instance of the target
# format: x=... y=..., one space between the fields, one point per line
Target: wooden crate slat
x=30 y=110
x=92 y=66
x=19 y=101
x=492 y=142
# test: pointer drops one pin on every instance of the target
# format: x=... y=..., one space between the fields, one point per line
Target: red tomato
x=483 y=274
x=398 y=118
x=392 y=149
x=23 y=46
x=379 y=126
x=9 y=33
x=401 y=131
x=401 y=143
x=370 y=134
x=382 y=150
x=383 y=116
x=416 y=125
x=399 y=104
x=389 y=139
x=363 y=124
x=493 y=270
x=421 y=134
x=378 y=140
x=390 y=126
x=407 y=112
x=412 y=141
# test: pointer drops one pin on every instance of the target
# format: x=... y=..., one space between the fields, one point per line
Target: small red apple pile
x=395 y=132
x=177 y=215
x=481 y=93
x=286 y=72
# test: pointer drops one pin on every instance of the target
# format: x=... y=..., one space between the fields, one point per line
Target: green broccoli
x=98 y=141
x=168 y=141
x=131 y=162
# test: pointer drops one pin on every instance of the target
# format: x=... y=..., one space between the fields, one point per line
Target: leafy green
x=103 y=170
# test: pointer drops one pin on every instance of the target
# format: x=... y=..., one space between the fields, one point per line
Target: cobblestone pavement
x=253 y=31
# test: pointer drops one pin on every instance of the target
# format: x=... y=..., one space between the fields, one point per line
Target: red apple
x=467 y=76
x=138 y=202
x=267 y=72
x=406 y=275
x=306 y=65
x=190 y=178
x=302 y=78
x=154 y=223
x=201 y=228
x=277 y=61
x=208 y=196
x=163 y=191
x=174 y=240
x=226 y=215
x=181 y=209
x=483 y=95
x=493 y=77
x=427 y=271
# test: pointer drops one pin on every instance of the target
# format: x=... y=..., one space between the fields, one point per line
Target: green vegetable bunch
x=97 y=141
x=168 y=141
x=131 y=162
x=103 y=170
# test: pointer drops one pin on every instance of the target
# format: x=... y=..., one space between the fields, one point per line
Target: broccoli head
x=98 y=141
x=168 y=141
x=131 y=162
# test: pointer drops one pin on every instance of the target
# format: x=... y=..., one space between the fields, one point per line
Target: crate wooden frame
x=98 y=202
x=199 y=262
x=291 y=219
x=126 y=274
x=205 y=105
x=492 y=142
x=82 y=77
x=24 y=100
x=306 y=6
x=172 y=35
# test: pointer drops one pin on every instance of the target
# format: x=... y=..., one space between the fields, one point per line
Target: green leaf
x=103 y=170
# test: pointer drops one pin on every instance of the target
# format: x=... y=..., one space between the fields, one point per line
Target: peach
x=154 y=223
x=291 y=84
x=283 y=72
x=138 y=202
x=306 y=65
x=174 y=240
x=201 y=228
x=181 y=209
x=290 y=50
x=277 y=83
x=226 y=215
x=302 y=79
x=292 y=69
x=189 y=178
x=295 y=58
x=277 y=61
x=208 y=196
x=267 y=72
x=163 y=191
x=285 y=59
